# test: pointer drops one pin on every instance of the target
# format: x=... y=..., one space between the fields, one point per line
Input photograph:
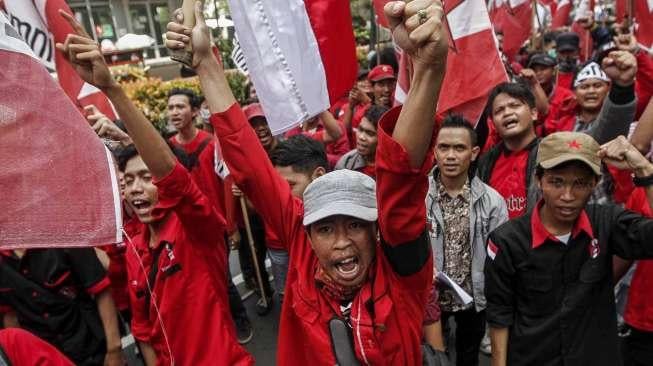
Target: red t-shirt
x=639 y=307
x=566 y=80
x=24 y=348
x=391 y=333
x=509 y=179
x=187 y=318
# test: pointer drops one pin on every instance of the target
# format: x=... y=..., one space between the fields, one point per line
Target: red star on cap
x=574 y=145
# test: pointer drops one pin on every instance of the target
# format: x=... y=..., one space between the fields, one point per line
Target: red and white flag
x=583 y=10
x=301 y=55
x=58 y=182
x=515 y=19
x=561 y=17
x=492 y=249
x=379 y=13
x=467 y=82
x=41 y=26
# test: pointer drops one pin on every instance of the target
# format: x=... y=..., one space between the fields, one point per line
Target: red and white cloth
x=561 y=16
x=41 y=25
x=58 y=181
x=300 y=54
x=467 y=82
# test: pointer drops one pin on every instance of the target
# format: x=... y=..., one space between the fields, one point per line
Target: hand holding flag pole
x=185 y=55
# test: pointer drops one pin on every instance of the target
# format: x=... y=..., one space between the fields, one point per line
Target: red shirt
x=356 y=118
x=190 y=287
x=566 y=80
x=639 y=308
x=205 y=176
x=509 y=179
x=24 y=348
x=335 y=150
x=562 y=111
x=391 y=333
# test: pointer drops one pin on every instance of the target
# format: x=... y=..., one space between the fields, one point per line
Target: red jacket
x=639 y=308
x=388 y=311
x=187 y=318
x=23 y=348
x=643 y=81
x=562 y=111
x=217 y=190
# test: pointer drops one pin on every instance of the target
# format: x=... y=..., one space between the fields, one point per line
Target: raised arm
x=417 y=28
x=86 y=58
x=643 y=135
x=618 y=110
x=248 y=163
x=331 y=127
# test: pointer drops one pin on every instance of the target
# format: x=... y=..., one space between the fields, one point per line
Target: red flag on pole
x=467 y=82
x=561 y=17
x=515 y=19
x=643 y=11
x=41 y=26
x=58 y=183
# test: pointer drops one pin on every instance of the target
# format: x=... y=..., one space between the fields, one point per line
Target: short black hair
x=516 y=90
x=193 y=98
x=129 y=152
x=458 y=121
x=301 y=153
x=374 y=113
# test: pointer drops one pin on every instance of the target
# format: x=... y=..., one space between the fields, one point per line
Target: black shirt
x=557 y=299
x=51 y=292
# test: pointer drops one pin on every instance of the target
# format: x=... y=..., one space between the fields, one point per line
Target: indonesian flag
x=586 y=44
x=515 y=19
x=41 y=26
x=300 y=54
x=58 y=183
x=492 y=249
x=644 y=14
x=561 y=17
x=467 y=82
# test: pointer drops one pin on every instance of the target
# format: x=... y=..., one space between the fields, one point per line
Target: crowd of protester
x=383 y=227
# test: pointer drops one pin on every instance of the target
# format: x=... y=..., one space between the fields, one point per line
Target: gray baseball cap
x=341 y=192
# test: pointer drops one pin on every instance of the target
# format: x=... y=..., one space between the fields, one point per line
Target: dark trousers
x=637 y=348
x=236 y=306
x=245 y=256
x=470 y=329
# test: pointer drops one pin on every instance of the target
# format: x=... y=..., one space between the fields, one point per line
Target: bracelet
x=643 y=181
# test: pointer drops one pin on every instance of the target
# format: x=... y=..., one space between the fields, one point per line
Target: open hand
x=85 y=56
x=178 y=35
x=418 y=29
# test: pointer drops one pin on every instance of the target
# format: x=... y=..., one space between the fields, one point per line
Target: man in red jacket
x=177 y=264
x=349 y=284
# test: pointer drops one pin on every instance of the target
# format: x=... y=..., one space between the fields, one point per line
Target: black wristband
x=622 y=94
x=643 y=181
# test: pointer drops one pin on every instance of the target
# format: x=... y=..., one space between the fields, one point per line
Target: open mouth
x=510 y=122
x=141 y=207
x=348 y=268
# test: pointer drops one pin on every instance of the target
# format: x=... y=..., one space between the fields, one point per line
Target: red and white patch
x=594 y=248
x=492 y=249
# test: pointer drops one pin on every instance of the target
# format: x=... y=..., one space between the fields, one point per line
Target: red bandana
x=332 y=289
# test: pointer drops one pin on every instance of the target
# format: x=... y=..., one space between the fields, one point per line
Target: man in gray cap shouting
x=360 y=264
x=548 y=274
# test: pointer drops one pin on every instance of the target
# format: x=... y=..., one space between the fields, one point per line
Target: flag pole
x=534 y=16
x=252 y=250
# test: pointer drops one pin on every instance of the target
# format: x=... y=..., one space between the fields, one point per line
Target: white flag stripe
x=468 y=18
x=283 y=60
x=10 y=38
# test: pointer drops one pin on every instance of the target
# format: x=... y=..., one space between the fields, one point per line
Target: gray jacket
x=487 y=212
